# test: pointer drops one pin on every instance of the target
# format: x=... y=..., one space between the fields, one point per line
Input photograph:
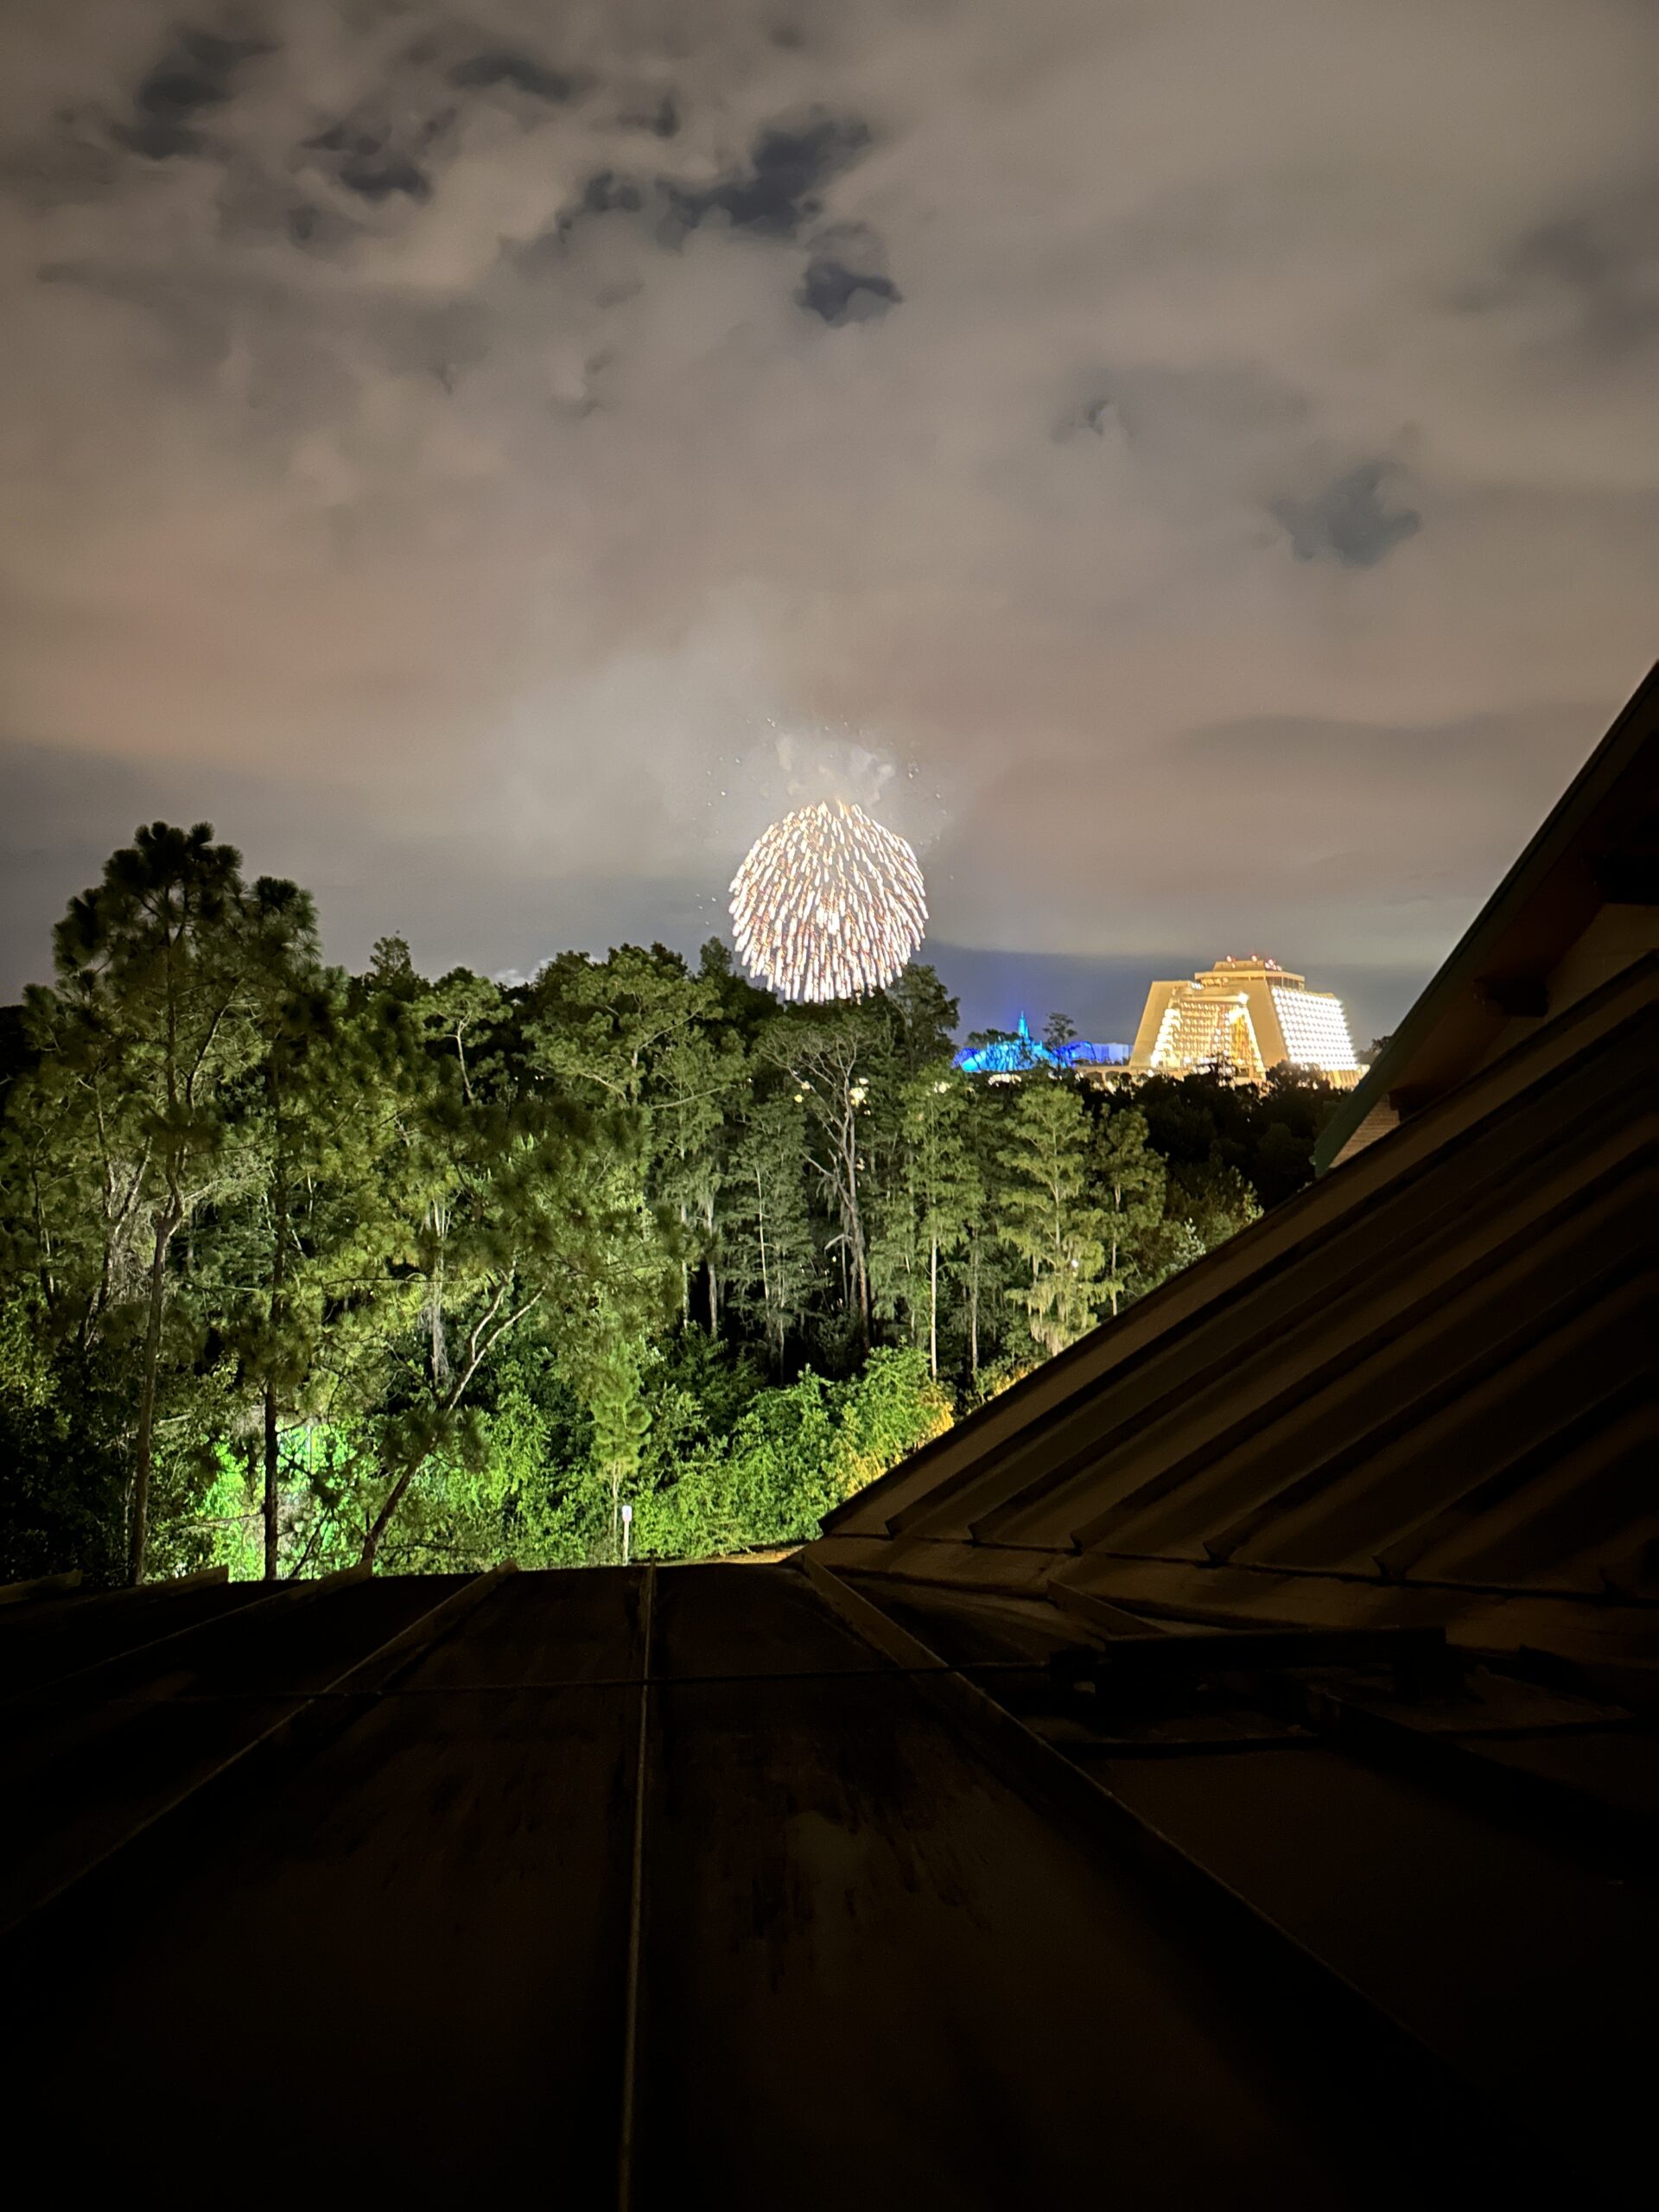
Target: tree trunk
x=273 y=1492
x=853 y=1226
x=760 y=1231
x=714 y=1272
x=278 y=1315
x=382 y=1521
x=440 y=1354
x=138 y=1529
x=933 y=1309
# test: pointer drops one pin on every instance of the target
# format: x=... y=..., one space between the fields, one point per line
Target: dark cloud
x=840 y=294
x=1601 y=265
x=604 y=194
x=1348 y=522
x=195 y=75
x=313 y=228
x=518 y=72
x=788 y=166
x=774 y=196
x=366 y=159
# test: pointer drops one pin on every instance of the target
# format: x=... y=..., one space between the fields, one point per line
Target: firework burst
x=827 y=904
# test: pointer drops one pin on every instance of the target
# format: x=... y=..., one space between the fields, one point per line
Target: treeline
x=299 y=1269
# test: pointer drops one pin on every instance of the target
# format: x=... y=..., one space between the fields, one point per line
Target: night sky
x=1189 y=464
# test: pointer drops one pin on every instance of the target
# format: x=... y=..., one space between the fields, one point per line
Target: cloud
x=838 y=294
x=370 y=462
x=1348 y=522
x=518 y=71
x=845 y=279
x=780 y=187
x=1590 y=275
x=196 y=74
x=364 y=158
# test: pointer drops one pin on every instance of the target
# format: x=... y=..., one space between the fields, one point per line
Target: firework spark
x=827 y=904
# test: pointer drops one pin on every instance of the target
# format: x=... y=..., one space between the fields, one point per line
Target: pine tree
x=307 y=1248
x=934 y=1197
x=153 y=1008
x=773 y=1254
x=292 y=1013
x=522 y=1209
x=621 y=1423
x=1130 y=1181
x=831 y=1059
x=1049 y=1218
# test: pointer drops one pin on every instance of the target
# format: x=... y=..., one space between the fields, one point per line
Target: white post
x=627 y=1531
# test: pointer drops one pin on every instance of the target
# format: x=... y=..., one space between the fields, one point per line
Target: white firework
x=828 y=904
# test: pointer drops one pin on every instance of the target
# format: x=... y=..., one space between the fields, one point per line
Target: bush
x=792 y=1456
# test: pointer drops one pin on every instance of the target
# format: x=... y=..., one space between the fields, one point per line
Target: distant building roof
x=1019 y=1051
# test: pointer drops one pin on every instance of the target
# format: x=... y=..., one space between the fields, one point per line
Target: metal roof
x=635 y=1885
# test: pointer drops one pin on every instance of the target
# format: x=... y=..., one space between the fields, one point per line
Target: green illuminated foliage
x=299 y=1269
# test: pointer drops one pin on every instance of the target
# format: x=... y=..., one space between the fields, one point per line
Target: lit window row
x=1316 y=1029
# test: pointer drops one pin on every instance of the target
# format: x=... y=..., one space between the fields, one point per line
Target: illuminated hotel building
x=1249 y=1015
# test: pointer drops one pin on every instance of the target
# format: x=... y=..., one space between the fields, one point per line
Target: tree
x=983 y=1266
x=441 y=1273
x=697 y=1076
x=150 y=1019
x=773 y=1254
x=525 y=1208
x=456 y=1012
x=601 y=1025
x=621 y=1422
x=1130 y=1181
x=292 y=1012
x=1265 y=1132
x=829 y=1059
x=1214 y=1201
x=934 y=1197
x=792 y=1454
x=390 y=966
x=1049 y=1218
x=65 y=1476
x=307 y=1247
x=637 y=1030
x=924 y=1016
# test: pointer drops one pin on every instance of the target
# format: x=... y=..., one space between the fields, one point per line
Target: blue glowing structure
x=1019 y=1052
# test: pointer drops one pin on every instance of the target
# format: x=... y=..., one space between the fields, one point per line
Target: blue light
x=1017 y=1054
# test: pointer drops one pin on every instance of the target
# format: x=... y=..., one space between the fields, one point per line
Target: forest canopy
x=300 y=1268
